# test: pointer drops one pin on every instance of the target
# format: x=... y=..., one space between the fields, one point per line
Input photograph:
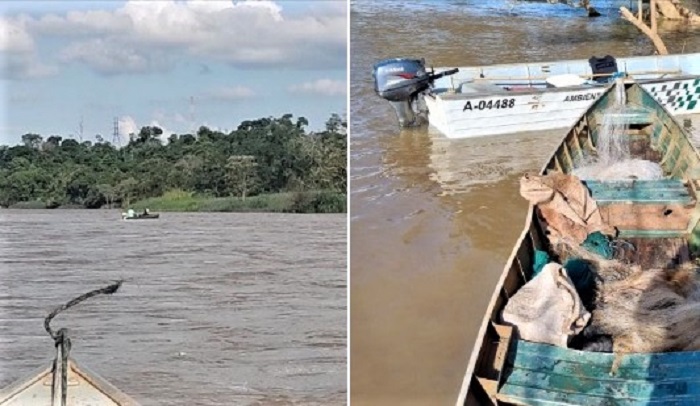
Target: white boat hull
x=515 y=98
x=524 y=112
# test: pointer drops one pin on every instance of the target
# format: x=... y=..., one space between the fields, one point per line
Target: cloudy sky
x=176 y=64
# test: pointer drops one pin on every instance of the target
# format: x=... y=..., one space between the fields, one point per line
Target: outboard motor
x=400 y=81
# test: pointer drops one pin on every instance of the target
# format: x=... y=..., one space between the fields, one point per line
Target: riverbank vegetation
x=270 y=164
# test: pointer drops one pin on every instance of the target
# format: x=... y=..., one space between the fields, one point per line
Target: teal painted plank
x=644 y=192
x=603 y=200
x=668 y=371
x=541 y=374
x=638 y=360
x=638 y=184
x=542 y=397
x=631 y=117
x=642 y=197
x=620 y=188
x=623 y=189
x=591 y=385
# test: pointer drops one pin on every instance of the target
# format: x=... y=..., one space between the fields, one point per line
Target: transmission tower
x=80 y=129
x=192 y=119
x=116 y=139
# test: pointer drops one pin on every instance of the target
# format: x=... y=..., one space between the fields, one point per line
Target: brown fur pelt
x=655 y=310
x=643 y=311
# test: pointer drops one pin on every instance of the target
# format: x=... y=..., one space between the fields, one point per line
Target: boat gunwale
x=623 y=59
x=481 y=335
x=446 y=95
x=478 y=344
x=528 y=91
x=581 y=60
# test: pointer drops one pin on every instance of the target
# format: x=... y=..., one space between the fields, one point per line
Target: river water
x=432 y=220
x=216 y=309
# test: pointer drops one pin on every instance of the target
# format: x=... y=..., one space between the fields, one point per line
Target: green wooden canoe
x=505 y=370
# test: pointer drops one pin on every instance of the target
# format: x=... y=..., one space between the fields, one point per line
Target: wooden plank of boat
x=85 y=387
x=502 y=99
x=504 y=369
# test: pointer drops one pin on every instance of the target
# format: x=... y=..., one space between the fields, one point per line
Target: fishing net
x=638 y=169
x=612 y=160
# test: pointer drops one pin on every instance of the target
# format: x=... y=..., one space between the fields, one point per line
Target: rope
x=62 y=341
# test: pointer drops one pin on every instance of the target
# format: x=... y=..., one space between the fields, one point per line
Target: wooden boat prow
x=505 y=370
x=85 y=388
x=63 y=382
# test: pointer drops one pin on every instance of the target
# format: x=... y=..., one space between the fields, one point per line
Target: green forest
x=269 y=164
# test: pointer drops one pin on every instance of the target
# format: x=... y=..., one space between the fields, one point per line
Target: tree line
x=268 y=155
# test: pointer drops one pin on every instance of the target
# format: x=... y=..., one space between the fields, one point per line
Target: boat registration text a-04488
x=489 y=105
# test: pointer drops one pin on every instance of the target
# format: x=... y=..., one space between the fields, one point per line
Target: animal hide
x=654 y=310
x=566 y=206
x=547 y=309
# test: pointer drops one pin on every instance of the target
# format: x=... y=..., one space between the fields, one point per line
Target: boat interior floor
x=539 y=374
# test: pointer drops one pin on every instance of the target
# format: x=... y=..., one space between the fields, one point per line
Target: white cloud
x=109 y=61
x=166 y=132
x=24 y=98
x=14 y=37
x=176 y=120
x=323 y=87
x=24 y=66
x=233 y=93
x=127 y=126
x=160 y=114
x=138 y=36
x=18 y=57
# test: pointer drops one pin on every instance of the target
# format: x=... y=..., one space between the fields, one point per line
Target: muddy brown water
x=216 y=309
x=434 y=220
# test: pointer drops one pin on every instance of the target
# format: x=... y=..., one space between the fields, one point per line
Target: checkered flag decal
x=682 y=96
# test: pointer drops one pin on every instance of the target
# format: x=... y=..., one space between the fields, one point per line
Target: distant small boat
x=63 y=382
x=141 y=216
x=132 y=215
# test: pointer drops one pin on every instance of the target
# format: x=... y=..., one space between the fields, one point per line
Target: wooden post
x=658 y=43
x=639 y=11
